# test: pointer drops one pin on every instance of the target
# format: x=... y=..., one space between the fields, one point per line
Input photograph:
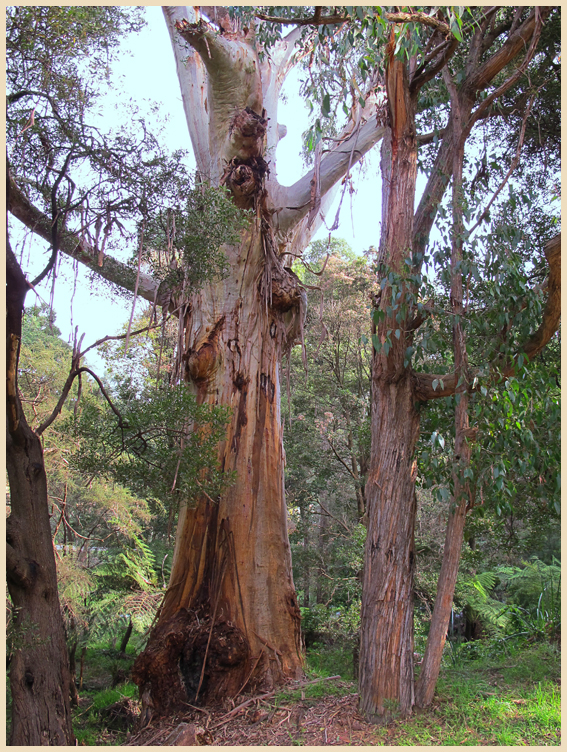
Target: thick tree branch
x=421 y=77
x=552 y=310
x=296 y=199
x=516 y=42
x=72 y=245
x=192 y=77
x=320 y=20
x=428 y=138
x=447 y=383
x=316 y=20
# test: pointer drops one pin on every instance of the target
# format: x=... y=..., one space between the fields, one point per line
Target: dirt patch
x=320 y=721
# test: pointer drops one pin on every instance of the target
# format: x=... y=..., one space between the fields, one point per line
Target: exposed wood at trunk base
x=169 y=670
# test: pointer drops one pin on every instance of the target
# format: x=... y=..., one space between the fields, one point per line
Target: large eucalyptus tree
x=230 y=618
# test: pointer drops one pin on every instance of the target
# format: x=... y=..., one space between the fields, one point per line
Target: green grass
x=512 y=700
x=107 y=697
x=329 y=661
x=484 y=696
x=101 y=667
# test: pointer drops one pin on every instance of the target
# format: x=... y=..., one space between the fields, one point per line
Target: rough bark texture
x=233 y=556
x=230 y=620
x=39 y=667
x=386 y=647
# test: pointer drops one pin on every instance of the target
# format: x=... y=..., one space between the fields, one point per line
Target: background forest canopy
x=130 y=454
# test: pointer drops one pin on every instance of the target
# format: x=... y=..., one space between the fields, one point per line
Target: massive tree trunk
x=230 y=619
x=39 y=666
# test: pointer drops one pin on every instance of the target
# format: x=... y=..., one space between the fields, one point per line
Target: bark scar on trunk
x=247 y=169
x=245 y=179
x=202 y=360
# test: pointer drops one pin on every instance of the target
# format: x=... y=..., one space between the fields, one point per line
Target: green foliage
x=119 y=189
x=195 y=229
x=330 y=660
x=160 y=446
x=527 y=603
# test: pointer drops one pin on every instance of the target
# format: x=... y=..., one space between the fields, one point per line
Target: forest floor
x=507 y=699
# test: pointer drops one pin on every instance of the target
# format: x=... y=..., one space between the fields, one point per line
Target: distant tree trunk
x=354 y=464
x=321 y=547
x=39 y=671
x=306 y=560
x=126 y=638
x=73 y=673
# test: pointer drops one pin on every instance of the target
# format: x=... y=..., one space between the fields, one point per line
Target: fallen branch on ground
x=244 y=704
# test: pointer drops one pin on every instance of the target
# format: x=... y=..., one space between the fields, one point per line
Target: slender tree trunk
x=73 y=673
x=322 y=548
x=306 y=557
x=386 y=649
x=462 y=452
x=126 y=638
x=354 y=463
x=39 y=671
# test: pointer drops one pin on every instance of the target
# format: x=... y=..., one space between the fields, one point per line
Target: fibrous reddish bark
x=386 y=647
x=386 y=660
